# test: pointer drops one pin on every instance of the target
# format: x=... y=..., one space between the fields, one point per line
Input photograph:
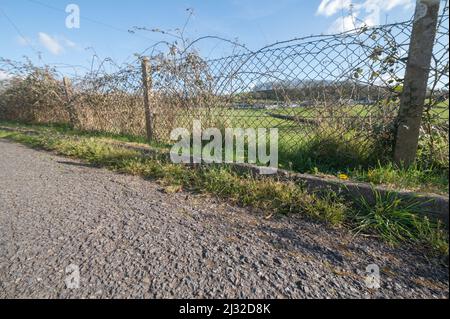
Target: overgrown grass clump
x=413 y=178
x=326 y=153
x=333 y=155
x=390 y=219
x=397 y=220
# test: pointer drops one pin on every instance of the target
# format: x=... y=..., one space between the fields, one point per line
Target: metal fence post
x=69 y=105
x=147 y=86
x=416 y=79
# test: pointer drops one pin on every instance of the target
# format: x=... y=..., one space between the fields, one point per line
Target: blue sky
x=32 y=26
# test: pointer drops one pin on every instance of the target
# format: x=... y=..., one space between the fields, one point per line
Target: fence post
x=416 y=79
x=147 y=86
x=69 y=105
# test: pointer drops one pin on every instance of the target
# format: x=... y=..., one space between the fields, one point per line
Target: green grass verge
x=391 y=219
x=325 y=155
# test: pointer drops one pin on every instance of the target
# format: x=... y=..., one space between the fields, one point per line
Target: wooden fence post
x=147 y=85
x=69 y=104
x=415 y=83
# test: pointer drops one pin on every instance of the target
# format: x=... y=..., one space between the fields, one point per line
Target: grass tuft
x=397 y=220
x=412 y=178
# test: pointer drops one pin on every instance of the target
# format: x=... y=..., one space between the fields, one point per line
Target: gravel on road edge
x=130 y=239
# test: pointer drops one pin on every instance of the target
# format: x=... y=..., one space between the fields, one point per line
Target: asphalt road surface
x=127 y=238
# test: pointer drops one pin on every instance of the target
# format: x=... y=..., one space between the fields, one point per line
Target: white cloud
x=331 y=7
x=50 y=43
x=366 y=12
x=342 y=24
x=54 y=44
x=396 y=3
x=4 y=75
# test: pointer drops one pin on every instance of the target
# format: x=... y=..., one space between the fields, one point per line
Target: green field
x=254 y=118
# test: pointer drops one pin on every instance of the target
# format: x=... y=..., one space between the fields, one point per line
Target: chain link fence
x=333 y=89
x=337 y=92
x=110 y=102
x=342 y=87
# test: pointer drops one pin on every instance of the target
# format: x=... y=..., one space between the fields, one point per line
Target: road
x=130 y=239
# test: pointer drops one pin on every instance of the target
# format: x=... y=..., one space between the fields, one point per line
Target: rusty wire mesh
x=342 y=85
x=110 y=101
x=339 y=89
x=31 y=94
x=319 y=89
